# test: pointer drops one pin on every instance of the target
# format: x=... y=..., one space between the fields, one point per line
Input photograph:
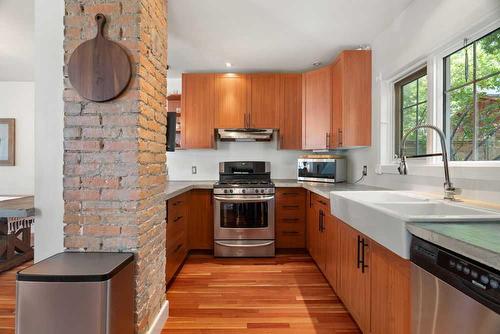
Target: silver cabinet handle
x=269 y=243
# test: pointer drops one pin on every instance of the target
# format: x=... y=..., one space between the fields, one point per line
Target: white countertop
x=478 y=241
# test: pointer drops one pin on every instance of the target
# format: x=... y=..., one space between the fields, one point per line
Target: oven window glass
x=317 y=169
x=244 y=215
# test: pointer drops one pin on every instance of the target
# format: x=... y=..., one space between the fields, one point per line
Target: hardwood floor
x=8 y=299
x=286 y=294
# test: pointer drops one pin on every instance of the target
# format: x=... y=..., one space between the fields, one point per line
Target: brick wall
x=114 y=152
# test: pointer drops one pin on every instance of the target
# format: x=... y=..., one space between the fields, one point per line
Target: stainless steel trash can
x=78 y=293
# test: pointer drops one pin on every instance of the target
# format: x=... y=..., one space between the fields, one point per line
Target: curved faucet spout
x=449 y=190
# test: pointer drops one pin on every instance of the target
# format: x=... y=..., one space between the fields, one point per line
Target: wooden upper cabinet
x=197 y=121
x=290 y=123
x=317 y=106
x=231 y=105
x=351 y=99
x=265 y=100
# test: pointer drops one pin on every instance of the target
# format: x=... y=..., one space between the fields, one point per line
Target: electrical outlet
x=365 y=170
x=194 y=170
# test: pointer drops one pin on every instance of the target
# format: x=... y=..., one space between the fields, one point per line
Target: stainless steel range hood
x=245 y=134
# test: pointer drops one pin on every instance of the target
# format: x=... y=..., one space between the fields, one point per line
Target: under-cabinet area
x=371 y=281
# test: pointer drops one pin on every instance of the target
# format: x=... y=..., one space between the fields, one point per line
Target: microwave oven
x=322 y=168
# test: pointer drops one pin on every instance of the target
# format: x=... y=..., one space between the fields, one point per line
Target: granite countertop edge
x=480 y=254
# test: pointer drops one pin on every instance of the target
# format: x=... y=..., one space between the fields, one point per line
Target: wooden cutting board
x=99 y=69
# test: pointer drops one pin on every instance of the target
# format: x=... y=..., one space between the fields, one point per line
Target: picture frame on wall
x=7 y=141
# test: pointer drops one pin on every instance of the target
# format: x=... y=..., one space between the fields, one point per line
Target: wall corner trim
x=160 y=319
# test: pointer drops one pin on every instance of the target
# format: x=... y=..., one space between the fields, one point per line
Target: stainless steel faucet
x=449 y=190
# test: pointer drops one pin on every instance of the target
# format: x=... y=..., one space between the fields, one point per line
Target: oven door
x=243 y=217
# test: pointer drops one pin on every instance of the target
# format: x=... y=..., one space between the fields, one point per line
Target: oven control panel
x=243 y=191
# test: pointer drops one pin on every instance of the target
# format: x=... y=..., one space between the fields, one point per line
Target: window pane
x=422 y=133
x=422 y=89
x=410 y=94
x=460 y=66
x=488 y=103
x=488 y=54
x=461 y=106
x=409 y=116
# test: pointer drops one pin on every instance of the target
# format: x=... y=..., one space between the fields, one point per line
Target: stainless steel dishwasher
x=452 y=294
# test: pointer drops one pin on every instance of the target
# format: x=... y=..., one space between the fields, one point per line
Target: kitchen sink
x=385 y=196
x=382 y=215
x=438 y=211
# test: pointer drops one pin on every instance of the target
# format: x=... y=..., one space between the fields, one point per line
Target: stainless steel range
x=244 y=210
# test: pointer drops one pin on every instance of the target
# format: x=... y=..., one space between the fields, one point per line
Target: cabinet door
x=312 y=227
x=354 y=287
x=198 y=91
x=321 y=241
x=201 y=222
x=291 y=112
x=332 y=250
x=336 y=127
x=390 y=293
x=265 y=100
x=352 y=104
x=230 y=100
x=317 y=105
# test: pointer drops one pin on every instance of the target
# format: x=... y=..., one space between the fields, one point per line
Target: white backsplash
x=179 y=163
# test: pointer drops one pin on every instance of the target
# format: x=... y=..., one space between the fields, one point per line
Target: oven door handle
x=243 y=199
x=221 y=243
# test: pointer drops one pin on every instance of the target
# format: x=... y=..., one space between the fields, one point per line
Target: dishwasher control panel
x=479 y=276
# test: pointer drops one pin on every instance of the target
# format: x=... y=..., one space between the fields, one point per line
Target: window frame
x=398 y=105
x=445 y=113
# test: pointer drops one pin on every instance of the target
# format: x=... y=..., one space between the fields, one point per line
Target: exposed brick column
x=114 y=162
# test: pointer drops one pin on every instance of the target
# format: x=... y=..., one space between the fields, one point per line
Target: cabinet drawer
x=290 y=209
x=177 y=207
x=290 y=239
x=176 y=241
x=290 y=194
x=174 y=260
x=320 y=202
x=176 y=226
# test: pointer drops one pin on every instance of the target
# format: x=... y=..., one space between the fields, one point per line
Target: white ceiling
x=265 y=35
x=16 y=40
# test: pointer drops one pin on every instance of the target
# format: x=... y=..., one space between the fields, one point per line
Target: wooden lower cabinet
x=176 y=238
x=290 y=218
x=317 y=212
x=354 y=280
x=390 y=295
x=332 y=250
x=201 y=219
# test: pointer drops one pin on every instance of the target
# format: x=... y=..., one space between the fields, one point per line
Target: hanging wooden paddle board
x=99 y=69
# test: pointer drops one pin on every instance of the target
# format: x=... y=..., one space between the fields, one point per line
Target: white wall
x=17 y=101
x=49 y=110
x=283 y=162
x=424 y=26
x=174 y=86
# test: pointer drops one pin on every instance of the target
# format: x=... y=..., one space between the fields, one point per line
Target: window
x=411 y=110
x=472 y=100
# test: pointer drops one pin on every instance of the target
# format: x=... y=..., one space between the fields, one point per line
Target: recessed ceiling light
x=228 y=65
x=316 y=64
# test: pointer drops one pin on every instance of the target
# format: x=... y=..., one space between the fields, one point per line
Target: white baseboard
x=160 y=320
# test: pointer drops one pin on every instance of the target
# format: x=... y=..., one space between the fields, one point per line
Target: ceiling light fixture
x=316 y=64
x=228 y=65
